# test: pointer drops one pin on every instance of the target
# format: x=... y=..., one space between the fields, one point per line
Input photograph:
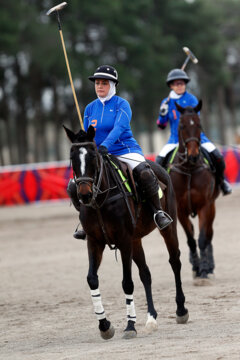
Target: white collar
x=173 y=95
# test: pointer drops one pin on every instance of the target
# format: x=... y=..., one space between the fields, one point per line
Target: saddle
x=205 y=154
x=125 y=175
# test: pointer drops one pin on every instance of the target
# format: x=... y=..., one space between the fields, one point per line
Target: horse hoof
x=108 y=334
x=182 y=319
x=202 y=281
x=151 y=324
x=194 y=274
x=211 y=276
x=129 y=334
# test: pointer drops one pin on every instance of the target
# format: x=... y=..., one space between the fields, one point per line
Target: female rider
x=110 y=115
x=177 y=80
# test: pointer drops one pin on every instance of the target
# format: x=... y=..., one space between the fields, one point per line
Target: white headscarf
x=111 y=92
x=174 y=95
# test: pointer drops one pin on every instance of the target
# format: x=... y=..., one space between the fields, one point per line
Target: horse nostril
x=193 y=158
x=86 y=197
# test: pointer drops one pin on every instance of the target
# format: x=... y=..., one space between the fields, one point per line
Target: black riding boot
x=148 y=184
x=219 y=164
x=160 y=160
x=72 y=192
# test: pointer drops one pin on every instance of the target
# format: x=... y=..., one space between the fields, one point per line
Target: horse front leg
x=128 y=287
x=192 y=244
x=145 y=276
x=171 y=240
x=95 y=252
x=206 y=218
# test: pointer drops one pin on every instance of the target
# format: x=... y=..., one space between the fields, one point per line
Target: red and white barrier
x=22 y=184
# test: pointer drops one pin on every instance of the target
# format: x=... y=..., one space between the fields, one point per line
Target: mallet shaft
x=71 y=81
x=185 y=62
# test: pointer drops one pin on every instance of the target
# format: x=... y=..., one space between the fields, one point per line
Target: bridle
x=184 y=156
x=95 y=181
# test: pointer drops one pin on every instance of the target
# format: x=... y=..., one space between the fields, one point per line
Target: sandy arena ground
x=46 y=311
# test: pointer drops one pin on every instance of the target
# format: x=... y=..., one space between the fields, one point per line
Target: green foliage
x=143 y=39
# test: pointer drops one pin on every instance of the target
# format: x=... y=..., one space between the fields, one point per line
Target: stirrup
x=166 y=219
x=80 y=235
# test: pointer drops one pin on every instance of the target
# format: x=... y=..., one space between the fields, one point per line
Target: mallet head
x=190 y=54
x=56 y=8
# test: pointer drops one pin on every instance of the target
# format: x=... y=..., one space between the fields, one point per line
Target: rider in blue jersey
x=110 y=115
x=177 y=80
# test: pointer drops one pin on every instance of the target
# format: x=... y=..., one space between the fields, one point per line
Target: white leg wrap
x=97 y=304
x=131 y=313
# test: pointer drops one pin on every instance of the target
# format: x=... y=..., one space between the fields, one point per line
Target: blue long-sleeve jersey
x=111 y=121
x=173 y=116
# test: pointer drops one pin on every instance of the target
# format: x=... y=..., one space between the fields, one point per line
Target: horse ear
x=70 y=134
x=198 y=107
x=91 y=133
x=179 y=108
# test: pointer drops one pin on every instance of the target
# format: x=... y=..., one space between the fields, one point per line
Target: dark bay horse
x=106 y=219
x=196 y=191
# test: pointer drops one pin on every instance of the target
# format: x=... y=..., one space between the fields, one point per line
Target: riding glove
x=103 y=150
x=164 y=109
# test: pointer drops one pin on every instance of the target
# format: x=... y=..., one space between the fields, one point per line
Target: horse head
x=86 y=162
x=189 y=131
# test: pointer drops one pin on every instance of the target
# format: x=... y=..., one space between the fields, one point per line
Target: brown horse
x=196 y=191
x=110 y=219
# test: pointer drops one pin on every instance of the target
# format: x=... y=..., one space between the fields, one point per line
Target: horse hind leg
x=211 y=263
x=145 y=276
x=206 y=217
x=95 y=256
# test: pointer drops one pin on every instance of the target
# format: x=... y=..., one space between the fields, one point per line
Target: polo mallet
x=190 y=56
x=56 y=10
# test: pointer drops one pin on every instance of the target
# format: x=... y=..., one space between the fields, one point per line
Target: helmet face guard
x=177 y=74
x=105 y=72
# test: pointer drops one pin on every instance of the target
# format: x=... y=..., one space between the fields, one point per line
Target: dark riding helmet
x=105 y=72
x=177 y=74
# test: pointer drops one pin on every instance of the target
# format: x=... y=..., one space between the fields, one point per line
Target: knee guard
x=160 y=160
x=218 y=161
x=146 y=179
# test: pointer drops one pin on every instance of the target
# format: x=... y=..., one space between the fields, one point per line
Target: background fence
x=23 y=184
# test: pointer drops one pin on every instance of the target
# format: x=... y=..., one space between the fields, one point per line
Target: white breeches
x=132 y=159
x=169 y=147
x=166 y=149
x=208 y=146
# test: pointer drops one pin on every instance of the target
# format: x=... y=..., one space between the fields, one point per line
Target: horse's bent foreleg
x=145 y=276
x=192 y=244
x=128 y=287
x=171 y=240
x=95 y=256
x=206 y=218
